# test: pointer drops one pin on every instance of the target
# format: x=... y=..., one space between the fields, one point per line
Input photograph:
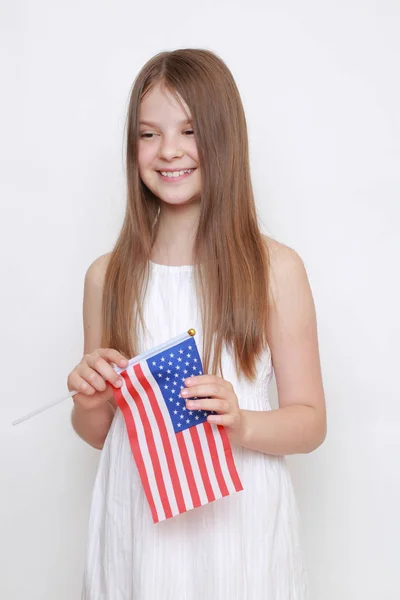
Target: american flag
x=183 y=461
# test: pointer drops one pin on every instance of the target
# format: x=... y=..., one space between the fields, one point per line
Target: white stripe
x=172 y=436
x=143 y=446
x=222 y=459
x=158 y=440
x=208 y=461
x=195 y=466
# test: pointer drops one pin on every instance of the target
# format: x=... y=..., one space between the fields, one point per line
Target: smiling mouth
x=175 y=175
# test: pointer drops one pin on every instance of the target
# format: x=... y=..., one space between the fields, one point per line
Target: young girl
x=190 y=255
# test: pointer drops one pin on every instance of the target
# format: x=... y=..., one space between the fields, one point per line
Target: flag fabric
x=183 y=461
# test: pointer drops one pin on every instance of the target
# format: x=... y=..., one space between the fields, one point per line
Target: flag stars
x=178 y=403
x=181 y=351
x=169 y=371
x=162 y=359
x=179 y=358
x=165 y=387
x=172 y=354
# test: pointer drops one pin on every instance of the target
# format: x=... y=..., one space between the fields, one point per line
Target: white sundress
x=245 y=546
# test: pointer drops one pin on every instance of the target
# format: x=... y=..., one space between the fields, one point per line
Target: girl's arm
x=299 y=425
x=93 y=424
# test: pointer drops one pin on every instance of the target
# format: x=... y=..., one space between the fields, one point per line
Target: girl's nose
x=170 y=148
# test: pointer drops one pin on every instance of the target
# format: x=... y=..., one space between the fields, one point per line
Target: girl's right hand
x=94 y=376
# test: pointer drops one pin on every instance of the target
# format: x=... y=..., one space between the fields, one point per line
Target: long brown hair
x=231 y=259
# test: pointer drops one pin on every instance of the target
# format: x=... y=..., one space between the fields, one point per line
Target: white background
x=320 y=86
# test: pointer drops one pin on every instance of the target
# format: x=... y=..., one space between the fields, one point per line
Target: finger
x=92 y=377
x=102 y=367
x=114 y=356
x=215 y=404
x=224 y=420
x=78 y=383
x=201 y=391
x=207 y=379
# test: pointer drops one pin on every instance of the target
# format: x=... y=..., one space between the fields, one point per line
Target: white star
x=165 y=387
x=190 y=347
x=194 y=368
x=188 y=355
x=181 y=351
x=200 y=372
x=170 y=363
x=175 y=412
x=160 y=374
x=187 y=364
x=197 y=417
x=153 y=363
x=187 y=420
x=176 y=375
x=174 y=382
x=190 y=412
x=172 y=354
x=184 y=408
x=178 y=403
x=169 y=371
x=162 y=359
x=181 y=417
x=179 y=358
x=171 y=399
x=195 y=359
x=185 y=371
x=179 y=424
x=161 y=367
x=167 y=378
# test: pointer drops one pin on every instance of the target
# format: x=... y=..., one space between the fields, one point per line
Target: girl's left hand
x=218 y=395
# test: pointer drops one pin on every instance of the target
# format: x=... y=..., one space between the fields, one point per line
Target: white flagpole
x=42 y=409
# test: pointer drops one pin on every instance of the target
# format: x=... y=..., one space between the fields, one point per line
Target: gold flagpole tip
x=192 y=332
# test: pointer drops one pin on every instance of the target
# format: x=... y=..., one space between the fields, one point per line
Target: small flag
x=183 y=461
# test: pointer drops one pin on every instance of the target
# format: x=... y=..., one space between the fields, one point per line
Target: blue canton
x=170 y=368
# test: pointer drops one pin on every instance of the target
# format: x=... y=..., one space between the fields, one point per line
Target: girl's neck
x=177 y=226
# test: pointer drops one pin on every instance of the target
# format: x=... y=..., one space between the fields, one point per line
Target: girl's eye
x=145 y=135
x=189 y=131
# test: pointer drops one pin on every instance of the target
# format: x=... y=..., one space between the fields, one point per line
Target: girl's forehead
x=159 y=101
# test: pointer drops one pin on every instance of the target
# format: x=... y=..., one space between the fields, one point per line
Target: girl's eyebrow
x=152 y=124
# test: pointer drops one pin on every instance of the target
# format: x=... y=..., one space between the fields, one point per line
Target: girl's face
x=167 y=147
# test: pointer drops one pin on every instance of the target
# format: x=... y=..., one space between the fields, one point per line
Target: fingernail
x=189 y=380
x=118 y=383
x=184 y=392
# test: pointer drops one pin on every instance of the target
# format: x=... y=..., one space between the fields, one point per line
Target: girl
x=190 y=254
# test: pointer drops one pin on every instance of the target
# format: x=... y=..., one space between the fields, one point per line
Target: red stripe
x=133 y=440
x=215 y=459
x=150 y=445
x=229 y=459
x=194 y=434
x=164 y=437
x=188 y=469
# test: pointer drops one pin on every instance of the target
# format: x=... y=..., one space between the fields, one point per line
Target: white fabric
x=242 y=547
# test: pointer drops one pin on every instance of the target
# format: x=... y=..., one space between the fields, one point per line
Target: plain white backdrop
x=320 y=86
